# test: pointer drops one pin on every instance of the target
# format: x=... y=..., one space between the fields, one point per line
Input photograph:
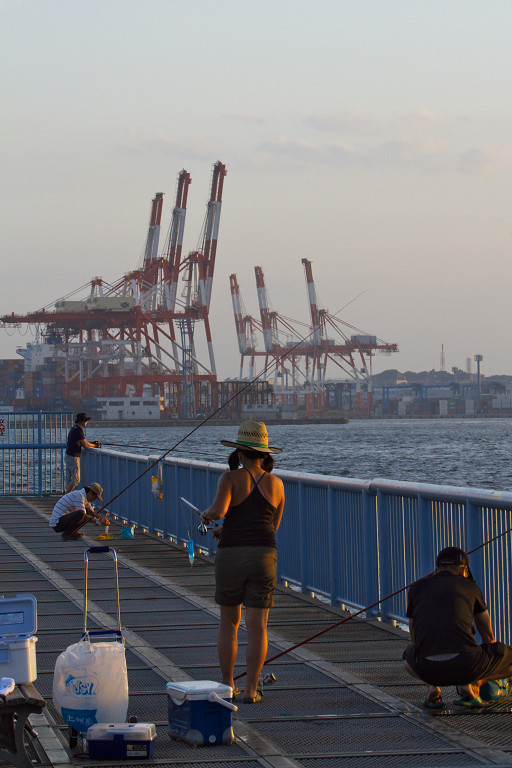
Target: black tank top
x=250 y=523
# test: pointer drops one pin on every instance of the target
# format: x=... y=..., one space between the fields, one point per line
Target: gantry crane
x=122 y=335
x=300 y=351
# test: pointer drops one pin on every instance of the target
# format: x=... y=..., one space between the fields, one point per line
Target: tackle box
x=118 y=741
x=200 y=712
x=18 y=622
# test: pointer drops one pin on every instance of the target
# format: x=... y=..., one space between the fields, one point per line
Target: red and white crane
x=123 y=333
x=301 y=351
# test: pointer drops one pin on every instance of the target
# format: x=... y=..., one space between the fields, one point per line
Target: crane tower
x=122 y=335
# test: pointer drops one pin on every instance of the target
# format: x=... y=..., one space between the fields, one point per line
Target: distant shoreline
x=342 y=421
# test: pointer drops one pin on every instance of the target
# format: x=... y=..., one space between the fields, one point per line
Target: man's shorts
x=486 y=662
x=72 y=470
x=245 y=575
x=70 y=521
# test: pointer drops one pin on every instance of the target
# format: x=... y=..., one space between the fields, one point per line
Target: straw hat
x=252 y=435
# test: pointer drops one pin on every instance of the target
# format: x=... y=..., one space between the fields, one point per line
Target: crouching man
x=75 y=508
x=441 y=610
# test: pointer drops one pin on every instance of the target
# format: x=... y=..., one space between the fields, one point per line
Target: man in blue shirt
x=76 y=441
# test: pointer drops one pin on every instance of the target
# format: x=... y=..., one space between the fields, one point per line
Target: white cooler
x=18 y=622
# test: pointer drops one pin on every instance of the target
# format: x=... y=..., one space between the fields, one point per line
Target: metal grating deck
x=343 y=700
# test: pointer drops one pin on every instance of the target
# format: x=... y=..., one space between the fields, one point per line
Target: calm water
x=463 y=452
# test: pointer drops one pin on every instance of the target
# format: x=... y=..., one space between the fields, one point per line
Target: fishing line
x=198 y=426
x=364 y=610
x=146 y=447
x=208 y=418
x=205 y=421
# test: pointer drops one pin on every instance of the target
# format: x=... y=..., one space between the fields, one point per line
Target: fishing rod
x=198 y=426
x=364 y=610
x=148 y=447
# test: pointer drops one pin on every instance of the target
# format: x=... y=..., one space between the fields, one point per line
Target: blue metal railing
x=351 y=541
x=32 y=445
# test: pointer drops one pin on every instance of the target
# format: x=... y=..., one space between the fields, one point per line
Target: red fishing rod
x=363 y=610
x=208 y=418
x=201 y=424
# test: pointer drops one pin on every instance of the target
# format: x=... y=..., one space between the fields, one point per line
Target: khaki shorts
x=245 y=575
x=72 y=470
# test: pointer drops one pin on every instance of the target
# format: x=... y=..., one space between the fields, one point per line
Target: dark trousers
x=70 y=521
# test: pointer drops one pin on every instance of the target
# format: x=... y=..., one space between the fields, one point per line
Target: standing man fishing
x=76 y=441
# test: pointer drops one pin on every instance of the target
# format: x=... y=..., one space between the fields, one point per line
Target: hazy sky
x=373 y=137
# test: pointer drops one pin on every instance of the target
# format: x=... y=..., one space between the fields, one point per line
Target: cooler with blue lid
x=119 y=741
x=200 y=712
x=18 y=622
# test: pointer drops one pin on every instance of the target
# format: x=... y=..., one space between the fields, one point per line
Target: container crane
x=305 y=354
x=122 y=335
x=246 y=327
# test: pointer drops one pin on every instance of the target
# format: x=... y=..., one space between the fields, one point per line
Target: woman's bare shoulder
x=276 y=483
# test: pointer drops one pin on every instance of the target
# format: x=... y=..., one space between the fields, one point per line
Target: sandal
x=235 y=692
x=434 y=704
x=466 y=701
x=252 y=699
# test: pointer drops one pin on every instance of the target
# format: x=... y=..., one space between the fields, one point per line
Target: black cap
x=81 y=417
x=452 y=556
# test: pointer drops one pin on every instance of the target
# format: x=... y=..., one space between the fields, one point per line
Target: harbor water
x=459 y=452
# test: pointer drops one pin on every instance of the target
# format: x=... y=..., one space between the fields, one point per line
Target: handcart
x=97 y=634
x=90 y=683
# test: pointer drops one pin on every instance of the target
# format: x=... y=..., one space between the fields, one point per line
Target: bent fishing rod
x=364 y=610
x=207 y=419
x=198 y=426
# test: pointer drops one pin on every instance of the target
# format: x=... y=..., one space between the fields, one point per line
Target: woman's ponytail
x=267 y=463
x=233 y=460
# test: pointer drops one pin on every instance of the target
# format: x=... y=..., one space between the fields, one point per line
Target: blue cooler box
x=18 y=622
x=119 y=741
x=200 y=712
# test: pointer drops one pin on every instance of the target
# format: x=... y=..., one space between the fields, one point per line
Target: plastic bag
x=157 y=484
x=496 y=690
x=90 y=684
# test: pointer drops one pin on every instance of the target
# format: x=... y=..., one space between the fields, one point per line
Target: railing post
x=426 y=538
x=371 y=551
x=384 y=548
x=334 y=559
x=474 y=539
x=40 y=454
x=303 y=542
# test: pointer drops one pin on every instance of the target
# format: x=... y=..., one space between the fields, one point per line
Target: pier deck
x=341 y=700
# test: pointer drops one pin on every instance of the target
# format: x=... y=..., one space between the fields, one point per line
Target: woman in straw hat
x=251 y=502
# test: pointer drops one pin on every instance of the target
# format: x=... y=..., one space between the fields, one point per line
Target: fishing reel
x=203 y=528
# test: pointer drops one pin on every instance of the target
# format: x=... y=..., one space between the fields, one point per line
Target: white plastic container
x=119 y=741
x=200 y=712
x=18 y=622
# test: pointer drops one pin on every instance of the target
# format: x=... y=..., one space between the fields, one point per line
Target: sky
x=373 y=138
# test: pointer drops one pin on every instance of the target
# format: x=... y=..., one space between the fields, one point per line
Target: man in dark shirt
x=76 y=441
x=441 y=610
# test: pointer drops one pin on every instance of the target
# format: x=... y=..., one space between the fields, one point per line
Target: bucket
x=128 y=532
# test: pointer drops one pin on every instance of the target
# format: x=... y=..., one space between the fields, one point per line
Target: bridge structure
x=343 y=699
x=341 y=696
